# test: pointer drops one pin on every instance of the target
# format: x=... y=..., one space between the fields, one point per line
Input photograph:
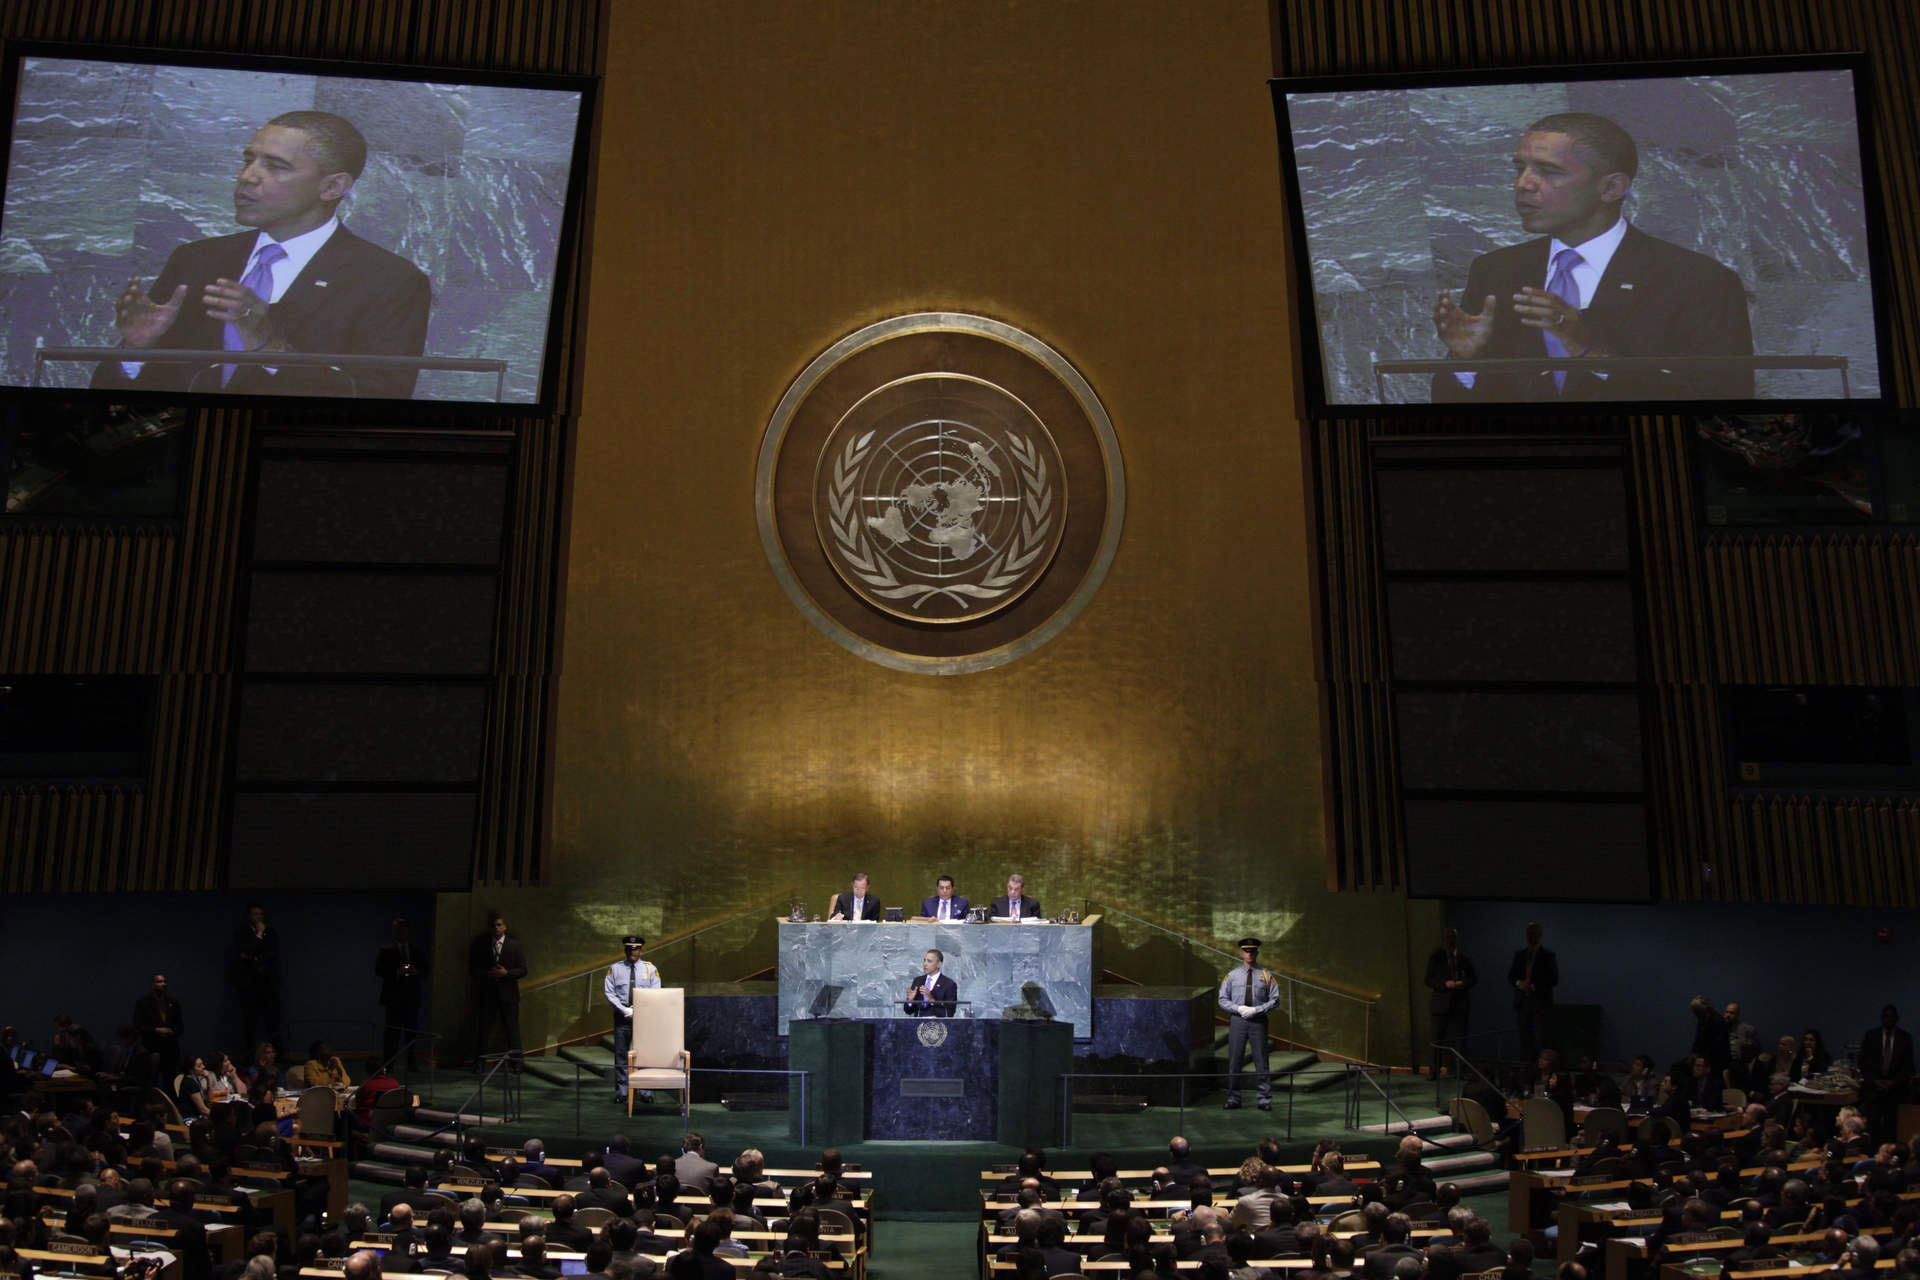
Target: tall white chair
x=658 y=1058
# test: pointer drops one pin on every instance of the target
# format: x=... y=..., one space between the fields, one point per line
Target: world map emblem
x=940 y=492
x=947 y=503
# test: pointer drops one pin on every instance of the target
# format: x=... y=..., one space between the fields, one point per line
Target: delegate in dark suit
x=1532 y=976
x=402 y=970
x=496 y=963
x=353 y=298
x=1450 y=976
x=1656 y=299
x=1003 y=908
x=1886 y=1072
x=954 y=908
x=935 y=999
x=869 y=907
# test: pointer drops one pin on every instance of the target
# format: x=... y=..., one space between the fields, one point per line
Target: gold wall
x=1104 y=176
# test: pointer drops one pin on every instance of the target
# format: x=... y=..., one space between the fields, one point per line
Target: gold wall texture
x=1104 y=176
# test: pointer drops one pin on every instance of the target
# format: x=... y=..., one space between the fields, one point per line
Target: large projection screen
x=1749 y=209
x=127 y=167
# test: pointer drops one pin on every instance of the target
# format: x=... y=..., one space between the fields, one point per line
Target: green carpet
x=939 y=1181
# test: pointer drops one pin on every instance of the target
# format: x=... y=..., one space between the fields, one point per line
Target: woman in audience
x=265 y=1071
x=1786 y=1057
x=196 y=1082
x=1814 y=1058
x=226 y=1078
x=324 y=1068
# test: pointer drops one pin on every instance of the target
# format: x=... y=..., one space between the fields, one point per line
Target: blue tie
x=1561 y=285
x=259 y=279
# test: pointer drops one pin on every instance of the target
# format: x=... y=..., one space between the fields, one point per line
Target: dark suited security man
x=1248 y=993
x=402 y=970
x=933 y=993
x=160 y=1021
x=253 y=971
x=1590 y=285
x=1533 y=974
x=944 y=904
x=1886 y=1073
x=296 y=280
x=1016 y=905
x=1450 y=976
x=858 y=904
x=497 y=963
x=623 y=976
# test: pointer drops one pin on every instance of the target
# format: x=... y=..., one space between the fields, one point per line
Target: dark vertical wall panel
x=161 y=600
x=1836 y=610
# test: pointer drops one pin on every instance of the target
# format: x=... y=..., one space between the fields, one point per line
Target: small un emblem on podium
x=933 y=1033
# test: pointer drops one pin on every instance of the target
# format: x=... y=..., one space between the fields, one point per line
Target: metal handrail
x=1360 y=997
x=458 y=1123
x=1068 y=1077
x=1464 y=1061
x=1367 y=1001
x=1353 y=1109
x=671 y=940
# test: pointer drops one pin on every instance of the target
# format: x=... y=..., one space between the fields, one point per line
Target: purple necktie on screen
x=1560 y=284
x=259 y=278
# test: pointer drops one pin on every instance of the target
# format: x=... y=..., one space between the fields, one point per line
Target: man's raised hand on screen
x=231 y=302
x=1464 y=334
x=142 y=321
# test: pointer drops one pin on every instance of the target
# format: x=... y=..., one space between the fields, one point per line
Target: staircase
x=559 y=1069
x=1456 y=1161
x=1295 y=1070
x=414 y=1143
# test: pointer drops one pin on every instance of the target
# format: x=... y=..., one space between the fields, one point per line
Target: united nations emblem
x=948 y=506
x=933 y=1033
x=940 y=492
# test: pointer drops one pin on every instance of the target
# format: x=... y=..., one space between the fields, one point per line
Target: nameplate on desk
x=76 y=1249
x=464 y=1180
x=933 y=1087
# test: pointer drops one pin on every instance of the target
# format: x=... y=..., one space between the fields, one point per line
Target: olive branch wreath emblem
x=868 y=565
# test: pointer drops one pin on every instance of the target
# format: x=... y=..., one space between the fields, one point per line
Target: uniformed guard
x=622 y=977
x=1247 y=993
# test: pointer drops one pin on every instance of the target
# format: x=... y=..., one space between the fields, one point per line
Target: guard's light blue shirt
x=1233 y=991
x=622 y=979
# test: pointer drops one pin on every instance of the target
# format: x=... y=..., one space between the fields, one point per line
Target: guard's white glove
x=1246 y=1011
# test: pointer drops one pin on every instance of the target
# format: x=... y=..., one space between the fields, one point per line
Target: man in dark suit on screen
x=296 y=281
x=1591 y=285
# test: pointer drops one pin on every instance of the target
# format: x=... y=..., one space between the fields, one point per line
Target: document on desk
x=1553 y=1173
x=1608 y=1206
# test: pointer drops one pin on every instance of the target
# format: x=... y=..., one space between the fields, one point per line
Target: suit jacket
x=1546 y=976
x=1443 y=1000
x=147 y=1020
x=396 y=989
x=938 y=1002
x=1378 y=1265
x=353 y=298
x=695 y=1171
x=1875 y=1066
x=1656 y=299
x=1029 y=907
x=512 y=958
x=931 y=907
x=843 y=906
